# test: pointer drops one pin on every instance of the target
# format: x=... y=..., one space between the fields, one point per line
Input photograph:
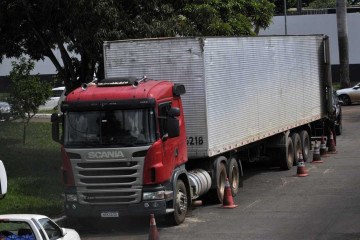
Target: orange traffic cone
x=228 y=201
x=316 y=154
x=301 y=170
x=323 y=149
x=153 y=232
x=332 y=148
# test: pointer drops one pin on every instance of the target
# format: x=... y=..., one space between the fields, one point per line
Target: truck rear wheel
x=295 y=138
x=305 y=143
x=180 y=205
x=221 y=181
x=216 y=195
x=287 y=160
x=234 y=176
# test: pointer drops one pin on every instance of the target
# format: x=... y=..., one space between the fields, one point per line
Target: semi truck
x=175 y=118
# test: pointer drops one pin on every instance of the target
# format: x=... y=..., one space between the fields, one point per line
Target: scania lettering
x=140 y=145
x=113 y=154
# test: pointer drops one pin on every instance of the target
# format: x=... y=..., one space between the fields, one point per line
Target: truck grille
x=108 y=181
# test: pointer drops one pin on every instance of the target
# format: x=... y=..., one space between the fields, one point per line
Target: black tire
x=216 y=195
x=305 y=145
x=181 y=204
x=345 y=99
x=287 y=157
x=221 y=181
x=338 y=127
x=234 y=176
x=295 y=138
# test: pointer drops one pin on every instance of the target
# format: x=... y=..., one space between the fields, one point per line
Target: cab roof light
x=120 y=81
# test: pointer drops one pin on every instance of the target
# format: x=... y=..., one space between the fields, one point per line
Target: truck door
x=170 y=145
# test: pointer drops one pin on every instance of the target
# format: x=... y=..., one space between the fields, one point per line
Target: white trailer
x=239 y=89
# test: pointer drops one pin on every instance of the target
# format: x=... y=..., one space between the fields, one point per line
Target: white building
x=323 y=24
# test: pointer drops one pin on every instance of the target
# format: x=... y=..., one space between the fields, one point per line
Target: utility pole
x=343 y=43
x=285 y=17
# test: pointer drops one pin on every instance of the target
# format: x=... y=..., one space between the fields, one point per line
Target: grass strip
x=33 y=169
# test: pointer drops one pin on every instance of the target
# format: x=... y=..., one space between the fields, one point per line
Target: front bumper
x=74 y=209
x=78 y=209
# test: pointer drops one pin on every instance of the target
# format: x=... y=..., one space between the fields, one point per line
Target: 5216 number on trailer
x=195 y=140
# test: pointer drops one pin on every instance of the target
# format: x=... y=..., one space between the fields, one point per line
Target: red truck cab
x=124 y=149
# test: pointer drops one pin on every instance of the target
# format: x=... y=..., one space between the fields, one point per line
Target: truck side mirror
x=3 y=180
x=55 y=127
x=174 y=112
x=173 y=127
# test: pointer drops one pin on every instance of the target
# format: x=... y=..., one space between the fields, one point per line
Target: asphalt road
x=272 y=204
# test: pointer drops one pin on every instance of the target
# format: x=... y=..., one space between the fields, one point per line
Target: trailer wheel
x=287 y=160
x=295 y=138
x=181 y=204
x=338 y=126
x=216 y=195
x=221 y=181
x=234 y=176
x=305 y=143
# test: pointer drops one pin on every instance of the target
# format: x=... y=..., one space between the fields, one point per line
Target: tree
x=317 y=4
x=27 y=92
x=78 y=28
x=279 y=5
x=309 y=4
x=228 y=17
x=343 y=43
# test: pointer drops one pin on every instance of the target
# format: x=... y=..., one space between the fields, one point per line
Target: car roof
x=16 y=217
x=58 y=88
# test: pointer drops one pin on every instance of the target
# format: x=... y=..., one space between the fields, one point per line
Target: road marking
x=285 y=181
x=252 y=204
x=312 y=167
x=328 y=171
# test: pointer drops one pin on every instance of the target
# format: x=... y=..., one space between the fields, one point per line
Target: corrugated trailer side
x=257 y=87
x=239 y=89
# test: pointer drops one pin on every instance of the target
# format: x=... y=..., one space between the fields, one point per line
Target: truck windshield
x=123 y=128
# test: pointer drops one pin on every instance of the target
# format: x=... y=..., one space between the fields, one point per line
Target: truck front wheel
x=180 y=205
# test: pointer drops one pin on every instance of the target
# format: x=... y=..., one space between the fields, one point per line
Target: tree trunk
x=299 y=6
x=24 y=133
x=343 y=43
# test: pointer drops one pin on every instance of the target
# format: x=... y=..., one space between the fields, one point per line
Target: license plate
x=109 y=214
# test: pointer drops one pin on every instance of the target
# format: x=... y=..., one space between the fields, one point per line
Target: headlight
x=153 y=195
x=71 y=198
